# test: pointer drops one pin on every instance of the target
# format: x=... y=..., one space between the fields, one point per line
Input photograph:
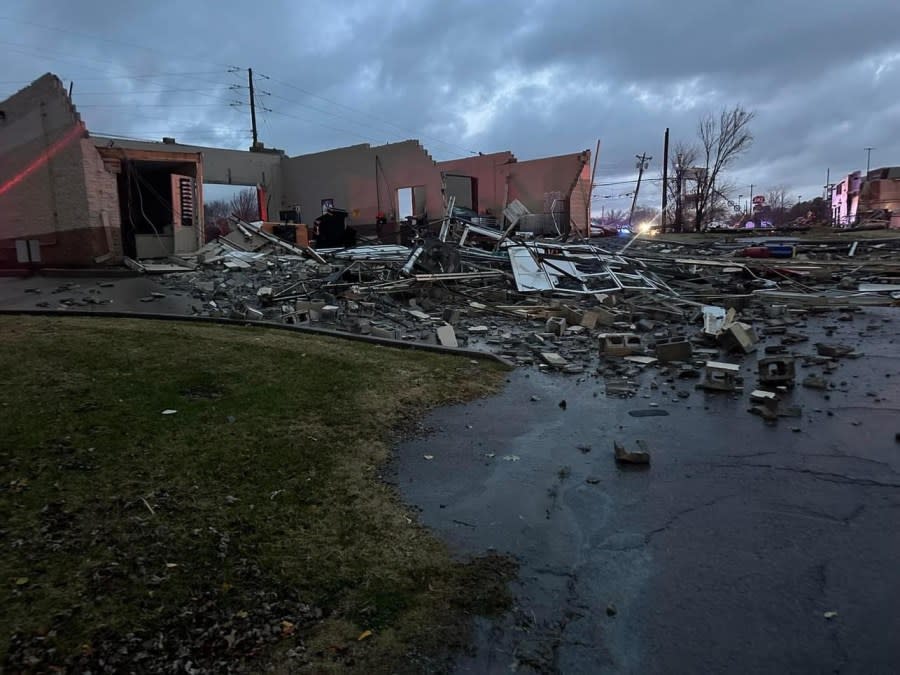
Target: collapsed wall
x=58 y=205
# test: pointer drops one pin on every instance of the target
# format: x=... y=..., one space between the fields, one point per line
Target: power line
x=145 y=92
x=93 y=37
x=326 y=126
x=374 y=117
x=155 y=105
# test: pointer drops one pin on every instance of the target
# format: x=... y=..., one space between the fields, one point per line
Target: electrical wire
x=94 y=37
x=375 y=117
x=326 y=126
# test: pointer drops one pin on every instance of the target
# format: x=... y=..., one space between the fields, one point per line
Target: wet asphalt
x=108 y=294
x=723 y=556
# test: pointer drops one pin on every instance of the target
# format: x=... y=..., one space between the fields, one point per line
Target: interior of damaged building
x=381 y=407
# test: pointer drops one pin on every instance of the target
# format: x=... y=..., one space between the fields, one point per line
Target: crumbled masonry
x=572 y=306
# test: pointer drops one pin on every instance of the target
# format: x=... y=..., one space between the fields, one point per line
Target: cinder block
x=677 y=349
x=620 y=344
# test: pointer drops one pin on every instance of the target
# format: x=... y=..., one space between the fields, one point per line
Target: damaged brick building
x=68 y=198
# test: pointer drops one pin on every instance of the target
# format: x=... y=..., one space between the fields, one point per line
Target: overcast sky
x=537 y=77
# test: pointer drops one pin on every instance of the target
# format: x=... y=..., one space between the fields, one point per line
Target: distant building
x=880 y=191
x=845 y=199
x=876 y=195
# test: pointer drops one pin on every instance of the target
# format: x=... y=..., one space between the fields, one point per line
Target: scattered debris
x=661 y=309
x=776 y=370
x=720 y=376
x=624 y=456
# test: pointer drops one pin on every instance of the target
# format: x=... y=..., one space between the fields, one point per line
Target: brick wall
x=101 y=186
x=43 y=187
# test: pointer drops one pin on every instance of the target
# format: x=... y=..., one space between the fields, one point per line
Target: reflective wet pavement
x=723 y=556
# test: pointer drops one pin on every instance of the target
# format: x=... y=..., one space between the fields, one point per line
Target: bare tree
x=682 y=158
x=723 y=208
x=722 y=141
x=775 y=204
x=244 y=205
x=215 y=209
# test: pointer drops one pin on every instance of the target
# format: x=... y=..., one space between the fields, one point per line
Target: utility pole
x=827 y=182
x=665 y=183
x=868 y=158
x=642 y=164
x=252 y=105
x=750 y=214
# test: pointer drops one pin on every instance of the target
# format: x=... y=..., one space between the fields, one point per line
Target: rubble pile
x=686 y=311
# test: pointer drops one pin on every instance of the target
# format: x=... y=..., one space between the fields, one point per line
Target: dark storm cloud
x=537 y=77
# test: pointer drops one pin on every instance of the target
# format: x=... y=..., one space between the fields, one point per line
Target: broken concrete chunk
x=762 y=396
x=624 y=456
x=447 y=336
x=478 y=329
x=554 y=359
x=641 y=360
x=265 y=294
x=597 y=317
x=383 y=333
x=833 y=351
x=422 y=316
x=740 y=336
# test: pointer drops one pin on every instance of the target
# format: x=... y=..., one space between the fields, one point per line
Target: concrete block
x=329 y=312
x=776 y=370
x=555 y=325
x=597 y=317
x=573 y=316
x=719 y=376
x=451 y=315
x=675 y=349
x=620 y=344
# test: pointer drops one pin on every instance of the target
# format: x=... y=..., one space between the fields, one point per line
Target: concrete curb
x=308 y=330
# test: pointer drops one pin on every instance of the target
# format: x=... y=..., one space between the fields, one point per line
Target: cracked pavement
x=723 y=556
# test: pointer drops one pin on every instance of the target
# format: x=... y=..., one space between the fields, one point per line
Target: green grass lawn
x=248 y=530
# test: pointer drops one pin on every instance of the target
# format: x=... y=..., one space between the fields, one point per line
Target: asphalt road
x=110 y=294
x=723 y=556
